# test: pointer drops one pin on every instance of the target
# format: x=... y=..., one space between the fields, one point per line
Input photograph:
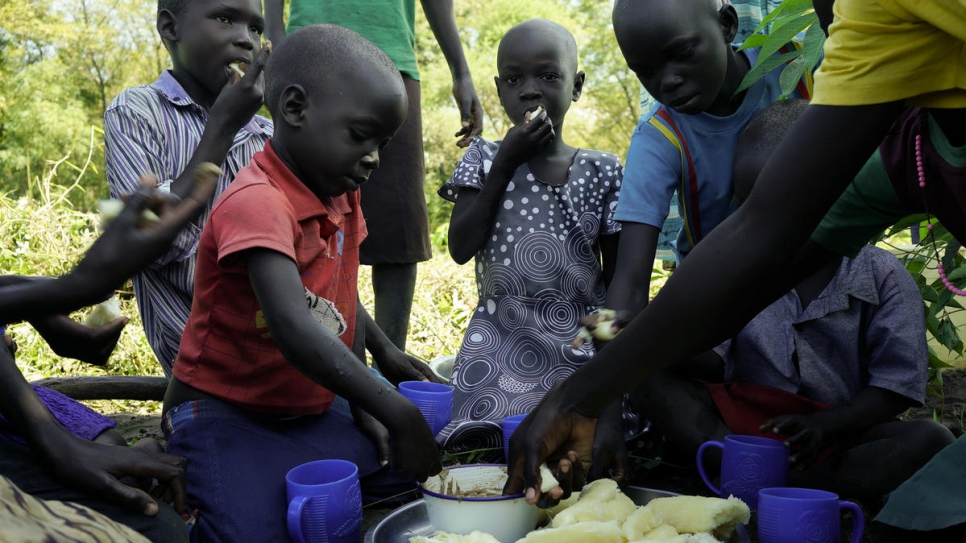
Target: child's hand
x=242 y=96
x=807 y=437
x=98 y=469
x=471 y=111
x=524 y=141
x=601 y=326
x=399 y=366
x=375 y=431
x=71 y=339
x=610 y=452
x=414 y=447
x=126 y=247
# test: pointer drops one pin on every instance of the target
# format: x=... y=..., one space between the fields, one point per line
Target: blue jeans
x=237 y=463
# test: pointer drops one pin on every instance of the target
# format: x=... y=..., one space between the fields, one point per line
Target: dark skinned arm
x=122 y=249
x=324 y=358
x=442 y=21
x=275 y=21
x=724 y=281
x=235 y=106
x=475 y=210
x=608 y=256
x=629 y=289
x=808 y=434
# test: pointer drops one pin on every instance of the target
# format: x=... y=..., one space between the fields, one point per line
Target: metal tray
x=410 y=520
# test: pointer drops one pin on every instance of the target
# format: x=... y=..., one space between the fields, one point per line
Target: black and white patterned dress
x=537 y=274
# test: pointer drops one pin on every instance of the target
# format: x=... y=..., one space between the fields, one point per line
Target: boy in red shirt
x=258 y=366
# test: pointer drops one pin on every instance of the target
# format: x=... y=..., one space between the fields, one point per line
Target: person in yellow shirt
x=881 y=57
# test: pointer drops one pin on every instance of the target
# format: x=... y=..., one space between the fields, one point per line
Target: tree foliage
x=63 y=61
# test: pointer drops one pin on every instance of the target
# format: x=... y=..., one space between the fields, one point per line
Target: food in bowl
x=464 y=499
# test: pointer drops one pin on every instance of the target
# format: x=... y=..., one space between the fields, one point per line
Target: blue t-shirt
x=652 y=170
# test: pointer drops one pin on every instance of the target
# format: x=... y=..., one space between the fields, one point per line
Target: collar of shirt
x=331 y=212
x=173 y=92
x=859 y=283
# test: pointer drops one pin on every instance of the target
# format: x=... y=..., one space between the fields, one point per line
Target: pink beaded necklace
x=932 y=236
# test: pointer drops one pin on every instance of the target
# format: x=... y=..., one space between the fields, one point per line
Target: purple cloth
x=74 y=416
x=156 y=129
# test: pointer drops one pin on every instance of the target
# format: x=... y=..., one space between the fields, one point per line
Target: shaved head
x=544 y=30
x=324 y=58
x=627 y=12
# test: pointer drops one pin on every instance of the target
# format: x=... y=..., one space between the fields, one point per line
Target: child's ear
x=291 y=105
x=167 y=26
x=728 y=18
x=496 y=82
x=578 y=85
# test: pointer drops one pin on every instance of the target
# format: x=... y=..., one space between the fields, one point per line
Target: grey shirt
x=867 y=328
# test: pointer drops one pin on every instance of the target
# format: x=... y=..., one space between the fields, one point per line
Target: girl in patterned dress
x=537 y=214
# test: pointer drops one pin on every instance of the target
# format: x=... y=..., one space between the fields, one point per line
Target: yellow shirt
x=888 y=50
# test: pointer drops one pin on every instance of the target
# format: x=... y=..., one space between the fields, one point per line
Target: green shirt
x=390 y=24
x=870 y=204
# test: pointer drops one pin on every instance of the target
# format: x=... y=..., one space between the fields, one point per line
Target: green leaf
x=779 y=37
x=755 y=40
x=763 y=67
x=813 y=43
x=930 y=294
x=790 y=76
x=948 y=336
x=932 y=325
x=957 y=274
x=786 y=8
x=909 y=221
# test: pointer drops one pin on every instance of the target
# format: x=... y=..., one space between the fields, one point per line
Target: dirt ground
x=950 y=409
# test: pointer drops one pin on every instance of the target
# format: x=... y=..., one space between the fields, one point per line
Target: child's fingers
x=258 y=65
x=206 y=177
x=136 y=203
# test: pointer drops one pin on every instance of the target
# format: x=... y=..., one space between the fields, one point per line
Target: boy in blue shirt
x=683 y=55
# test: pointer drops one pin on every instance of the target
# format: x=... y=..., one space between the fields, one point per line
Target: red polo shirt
x=227 y=349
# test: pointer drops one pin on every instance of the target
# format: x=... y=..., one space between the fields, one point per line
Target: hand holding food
x=605 y=328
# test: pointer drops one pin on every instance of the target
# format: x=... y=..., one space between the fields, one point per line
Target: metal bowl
x=412 y=519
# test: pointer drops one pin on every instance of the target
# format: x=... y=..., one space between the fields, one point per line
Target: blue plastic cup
x=748 y=464
x=509 y=426
x=804 y=515
x=434 y=401
x=324 y=502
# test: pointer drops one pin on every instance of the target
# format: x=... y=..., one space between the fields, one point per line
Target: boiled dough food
x=111 y=208
x=103 y=313
x=584 y=532
x=601 y=500
x=547 y=480
x=662 y=532
x=444 y=537
x=693 y=514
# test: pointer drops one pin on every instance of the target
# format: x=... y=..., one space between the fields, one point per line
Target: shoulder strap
x=688 y=192
x=804 y=86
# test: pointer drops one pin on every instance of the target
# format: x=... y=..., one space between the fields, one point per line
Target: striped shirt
x=155 y=129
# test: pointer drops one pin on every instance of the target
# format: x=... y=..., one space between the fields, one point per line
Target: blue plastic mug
x=748 y=464
x=434 y=401
x=324 y=502
x=509 y=426
x=804 y=515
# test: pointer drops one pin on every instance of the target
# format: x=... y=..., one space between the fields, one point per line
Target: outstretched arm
x=724 y=281
x=91 y=467
x=124 y=248
x=439 y=14
x=324 y=358
x=475 y=210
